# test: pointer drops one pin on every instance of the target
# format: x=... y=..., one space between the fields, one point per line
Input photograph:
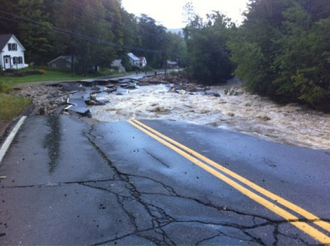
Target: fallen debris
x=78 y=97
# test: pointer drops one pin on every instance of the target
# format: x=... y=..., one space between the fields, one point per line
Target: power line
x=74 y=34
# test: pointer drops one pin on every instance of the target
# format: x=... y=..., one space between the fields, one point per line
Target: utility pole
x=165 y=61
x=72 y=41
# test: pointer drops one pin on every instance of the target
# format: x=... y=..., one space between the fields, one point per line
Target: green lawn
x=48 y=76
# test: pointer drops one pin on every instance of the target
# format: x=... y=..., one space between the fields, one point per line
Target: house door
x=7 y=64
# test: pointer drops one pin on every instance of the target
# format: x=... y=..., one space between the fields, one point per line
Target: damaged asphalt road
x=66 y=182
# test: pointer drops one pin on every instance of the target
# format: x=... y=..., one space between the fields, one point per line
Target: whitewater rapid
x=243 y=112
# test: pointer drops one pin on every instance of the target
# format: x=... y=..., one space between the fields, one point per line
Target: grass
x=49 y=75
x=10 y=108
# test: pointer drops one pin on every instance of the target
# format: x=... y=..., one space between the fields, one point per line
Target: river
x=243 y=112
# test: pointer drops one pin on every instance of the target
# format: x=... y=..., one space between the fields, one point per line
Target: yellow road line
x=311 y=217
x=187 y=153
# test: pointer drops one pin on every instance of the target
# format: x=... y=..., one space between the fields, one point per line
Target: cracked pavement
x=66 y=182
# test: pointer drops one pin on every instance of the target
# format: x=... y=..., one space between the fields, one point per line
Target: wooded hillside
x=94 y=32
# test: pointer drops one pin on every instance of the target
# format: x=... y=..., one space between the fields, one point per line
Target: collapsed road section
x=93 y=92
x=76 y=98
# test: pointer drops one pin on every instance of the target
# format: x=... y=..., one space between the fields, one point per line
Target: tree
x=35 y=30
x=208 y=58
x=282 y=50
x=153 y=38
x=91 y=40
x=131 y=36
x=304 y=62
x=176 y=48
x=7 y=25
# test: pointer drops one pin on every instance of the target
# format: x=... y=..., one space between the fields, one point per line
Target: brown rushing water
x=250 y=114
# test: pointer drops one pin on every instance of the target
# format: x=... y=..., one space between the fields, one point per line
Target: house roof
x=66 y=58
x=133 y=57
x=116 y=63
x=4 y=38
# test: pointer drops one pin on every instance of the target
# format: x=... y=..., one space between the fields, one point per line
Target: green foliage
x=36 y=40
x=250 y=64
x=176 y=48
x=208 y=58
x=153 y=37
x=282 y=50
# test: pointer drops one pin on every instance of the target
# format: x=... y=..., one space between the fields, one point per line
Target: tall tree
x=176 y=48
x=208 y=58
x=8 y=23
x=89 y=35
x=35 y=30
x=153 y=37
x=282 y=50
x=131 y=36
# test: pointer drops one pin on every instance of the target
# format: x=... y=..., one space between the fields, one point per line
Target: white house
x=11 y=53
x=137 y=61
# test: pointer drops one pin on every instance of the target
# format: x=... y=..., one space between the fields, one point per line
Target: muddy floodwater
x=241 y=111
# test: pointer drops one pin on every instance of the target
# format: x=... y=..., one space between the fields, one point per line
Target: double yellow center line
x=315 y=227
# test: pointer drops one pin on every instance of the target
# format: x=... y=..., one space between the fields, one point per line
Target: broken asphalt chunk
x=72 y=87
x=81 y=110
x=98 y=99
x=80 y=95
x=132 y=86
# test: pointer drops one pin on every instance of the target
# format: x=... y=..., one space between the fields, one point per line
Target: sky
x=169 y=13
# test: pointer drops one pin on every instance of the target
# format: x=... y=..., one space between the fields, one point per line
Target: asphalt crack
x=54 y=184
x=161 y=219
x=156 y=158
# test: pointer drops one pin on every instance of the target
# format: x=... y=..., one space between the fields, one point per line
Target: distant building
x=172 y=64
x=117 y=65
x=143 y=61
x=62 y=62
x=137 y=61
x=11 y=53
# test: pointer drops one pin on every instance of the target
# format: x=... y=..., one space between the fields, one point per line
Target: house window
x=12 y=46
x=17 y=60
